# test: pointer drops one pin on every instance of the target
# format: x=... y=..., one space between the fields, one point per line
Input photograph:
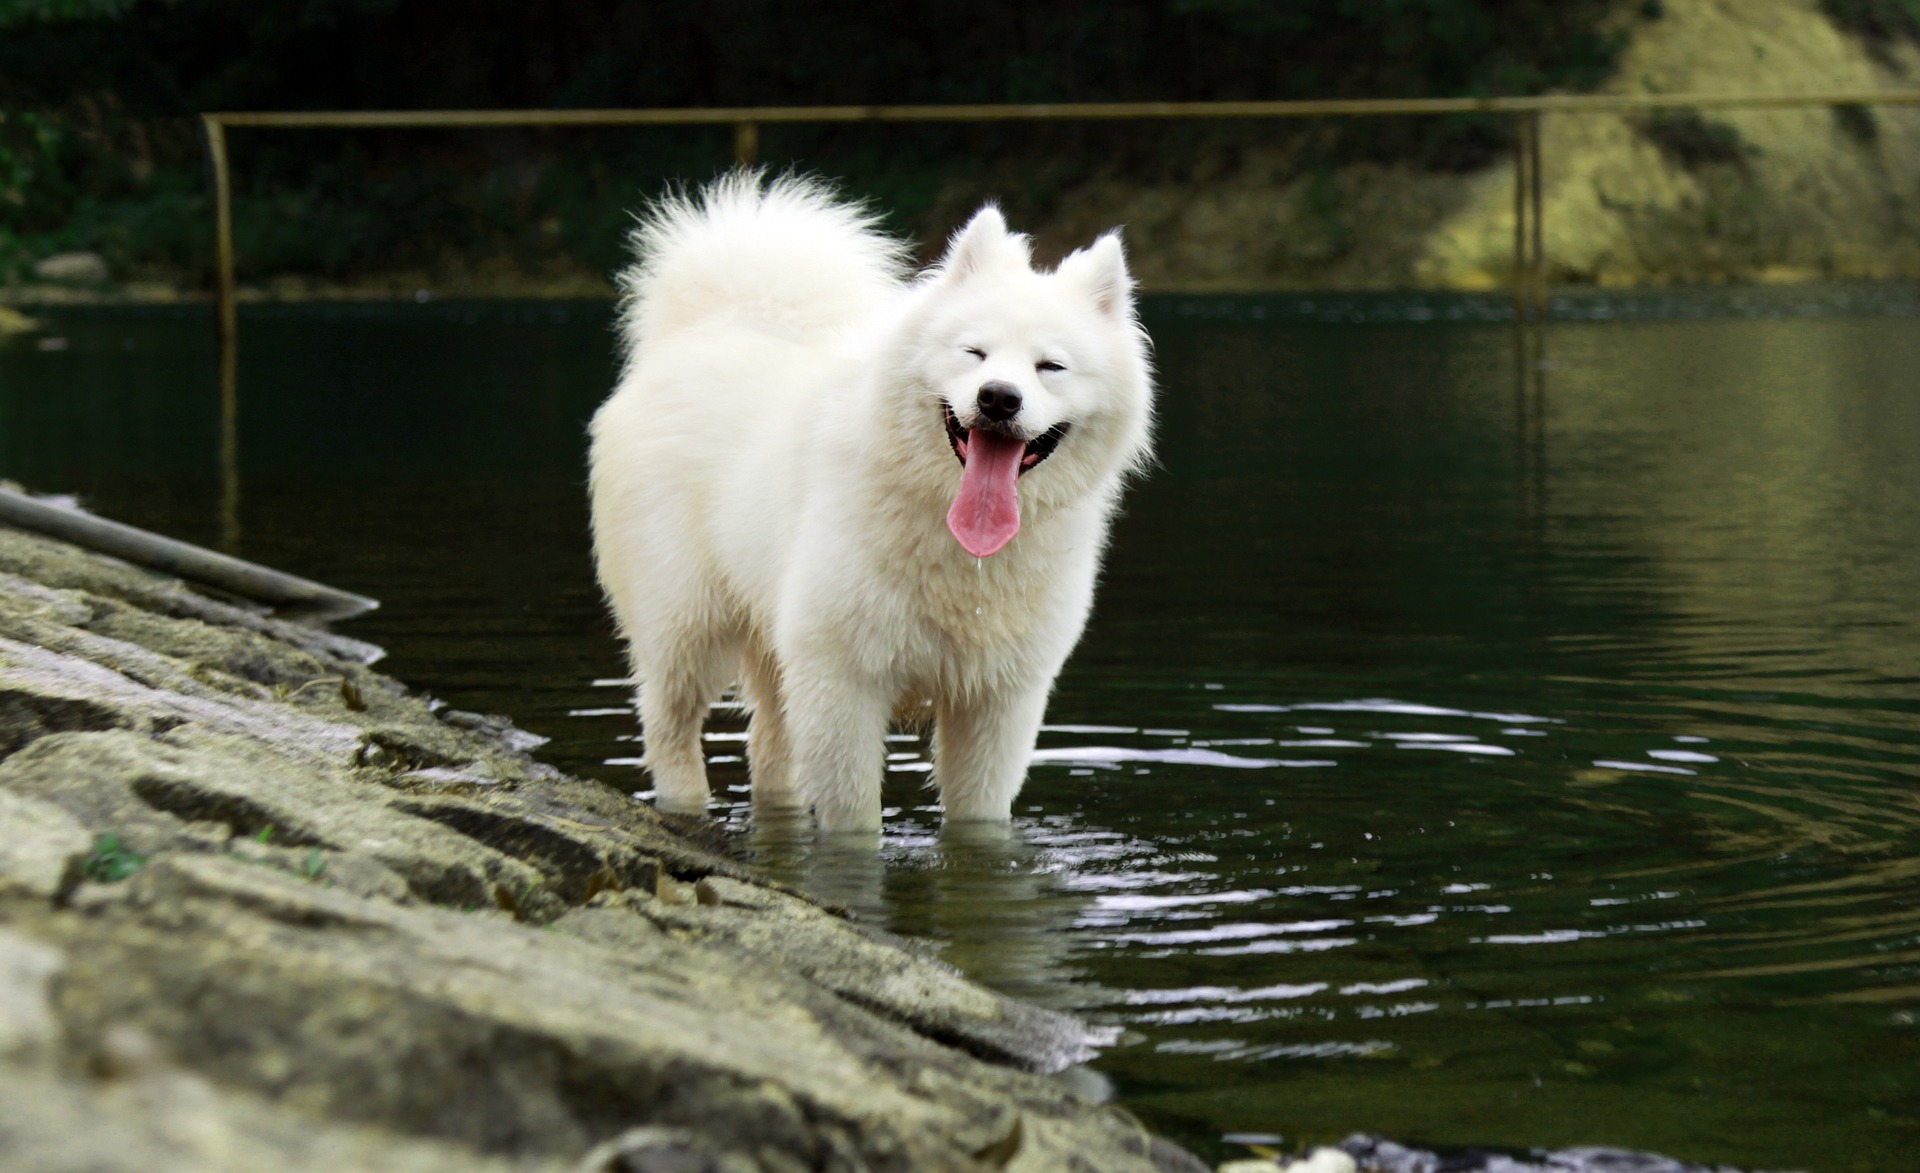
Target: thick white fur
x=772 y=475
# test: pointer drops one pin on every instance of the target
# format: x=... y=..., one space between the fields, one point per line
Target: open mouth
x=1038 y=448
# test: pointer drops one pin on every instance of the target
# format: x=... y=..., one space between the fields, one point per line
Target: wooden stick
x=249 y=580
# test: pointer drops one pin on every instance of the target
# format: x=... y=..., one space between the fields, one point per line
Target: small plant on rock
x=110 y=862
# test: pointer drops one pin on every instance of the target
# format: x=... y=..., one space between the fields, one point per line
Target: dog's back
x=737 y=292
x=781 y=255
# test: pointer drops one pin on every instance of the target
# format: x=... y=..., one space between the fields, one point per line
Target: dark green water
x=1461 y=757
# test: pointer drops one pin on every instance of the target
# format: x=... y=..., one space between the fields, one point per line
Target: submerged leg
x=980 y=750
x=839 y=730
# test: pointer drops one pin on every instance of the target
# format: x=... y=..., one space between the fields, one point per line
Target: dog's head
x=1037 y=382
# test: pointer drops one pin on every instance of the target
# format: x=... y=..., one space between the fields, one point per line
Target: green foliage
x=1335 y=237
x=312 y=867
x=29 y=144
x=1876 y=20
x=17 y=12
x=182 y=56
x=110 y=862
x=118 y=82
x=1693 y=141
x=1857 y=122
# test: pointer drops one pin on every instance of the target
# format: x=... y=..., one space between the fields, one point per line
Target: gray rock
x=41 y=846
x=524 y=1041
x=171 y=1121
x=73 y=269
x=931 y=997
x=368 y=932
x=28 y=1030
x=57 y=566
x=662 y=1150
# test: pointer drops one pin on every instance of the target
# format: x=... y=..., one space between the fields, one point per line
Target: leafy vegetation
x=1876 y=20
x=1857 y=122
x=109 y=160
x=1693 y=141
x=110 y=862
x=14 y=12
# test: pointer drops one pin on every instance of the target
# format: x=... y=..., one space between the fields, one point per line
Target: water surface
x=1471 y=746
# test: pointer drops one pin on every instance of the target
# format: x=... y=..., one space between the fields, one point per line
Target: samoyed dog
x=856 y=493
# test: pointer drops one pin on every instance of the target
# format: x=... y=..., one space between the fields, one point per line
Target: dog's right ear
x=982 y=243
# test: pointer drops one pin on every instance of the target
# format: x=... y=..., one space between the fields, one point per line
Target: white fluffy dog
x=858 y=494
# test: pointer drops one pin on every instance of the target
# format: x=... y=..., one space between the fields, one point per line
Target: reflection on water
x=1465 y=750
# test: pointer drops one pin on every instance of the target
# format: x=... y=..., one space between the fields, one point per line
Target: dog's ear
x=1101 y=270
x=985 y=241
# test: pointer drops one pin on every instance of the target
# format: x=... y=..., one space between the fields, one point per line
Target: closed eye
x=976 y=352
x=1048 y=365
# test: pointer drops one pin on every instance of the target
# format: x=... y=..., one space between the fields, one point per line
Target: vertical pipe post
x=216 y=135
x=746 y=143
x=1529 y=316
x=1533 y=334
x=1536 y=218
x=1521 y=237
x=226 y=327
x=229 y=448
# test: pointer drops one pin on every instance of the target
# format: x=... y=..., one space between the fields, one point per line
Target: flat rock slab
x=263 y=907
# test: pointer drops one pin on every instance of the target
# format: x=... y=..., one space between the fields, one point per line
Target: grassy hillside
x=98 y=150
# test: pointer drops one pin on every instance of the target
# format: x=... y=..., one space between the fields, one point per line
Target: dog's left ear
x=1101 y=269
x=983 y=243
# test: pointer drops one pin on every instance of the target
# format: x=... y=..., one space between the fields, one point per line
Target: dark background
x=98 y=147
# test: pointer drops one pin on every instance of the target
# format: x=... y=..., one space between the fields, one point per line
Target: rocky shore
x=262 y=907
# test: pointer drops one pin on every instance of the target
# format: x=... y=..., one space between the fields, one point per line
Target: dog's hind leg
x=674 y=698
x=981 y=745
x=769 y=744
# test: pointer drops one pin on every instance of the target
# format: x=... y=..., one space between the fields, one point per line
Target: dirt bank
x=1772 y=195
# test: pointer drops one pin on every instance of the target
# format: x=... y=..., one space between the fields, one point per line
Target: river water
x=1478 y=742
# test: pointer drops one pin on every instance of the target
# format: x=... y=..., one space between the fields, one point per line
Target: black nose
x=999 y=401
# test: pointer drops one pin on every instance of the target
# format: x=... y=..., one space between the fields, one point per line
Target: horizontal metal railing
x=1059 y=111
x=1529 y=263
x=1529 y=267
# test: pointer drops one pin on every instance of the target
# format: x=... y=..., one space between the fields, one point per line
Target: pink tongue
x=986 y=512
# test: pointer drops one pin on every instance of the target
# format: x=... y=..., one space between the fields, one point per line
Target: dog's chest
x=976 y=605
x=967 y=615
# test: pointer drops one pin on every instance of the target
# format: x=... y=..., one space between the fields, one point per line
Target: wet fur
x=771 y=478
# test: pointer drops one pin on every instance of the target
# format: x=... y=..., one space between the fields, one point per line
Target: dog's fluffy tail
x=786 y=253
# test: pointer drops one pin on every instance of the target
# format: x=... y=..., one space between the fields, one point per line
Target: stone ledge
x=337 y=926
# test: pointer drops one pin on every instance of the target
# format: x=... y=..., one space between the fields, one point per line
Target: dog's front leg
x=838 y=727
x=981 y=745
